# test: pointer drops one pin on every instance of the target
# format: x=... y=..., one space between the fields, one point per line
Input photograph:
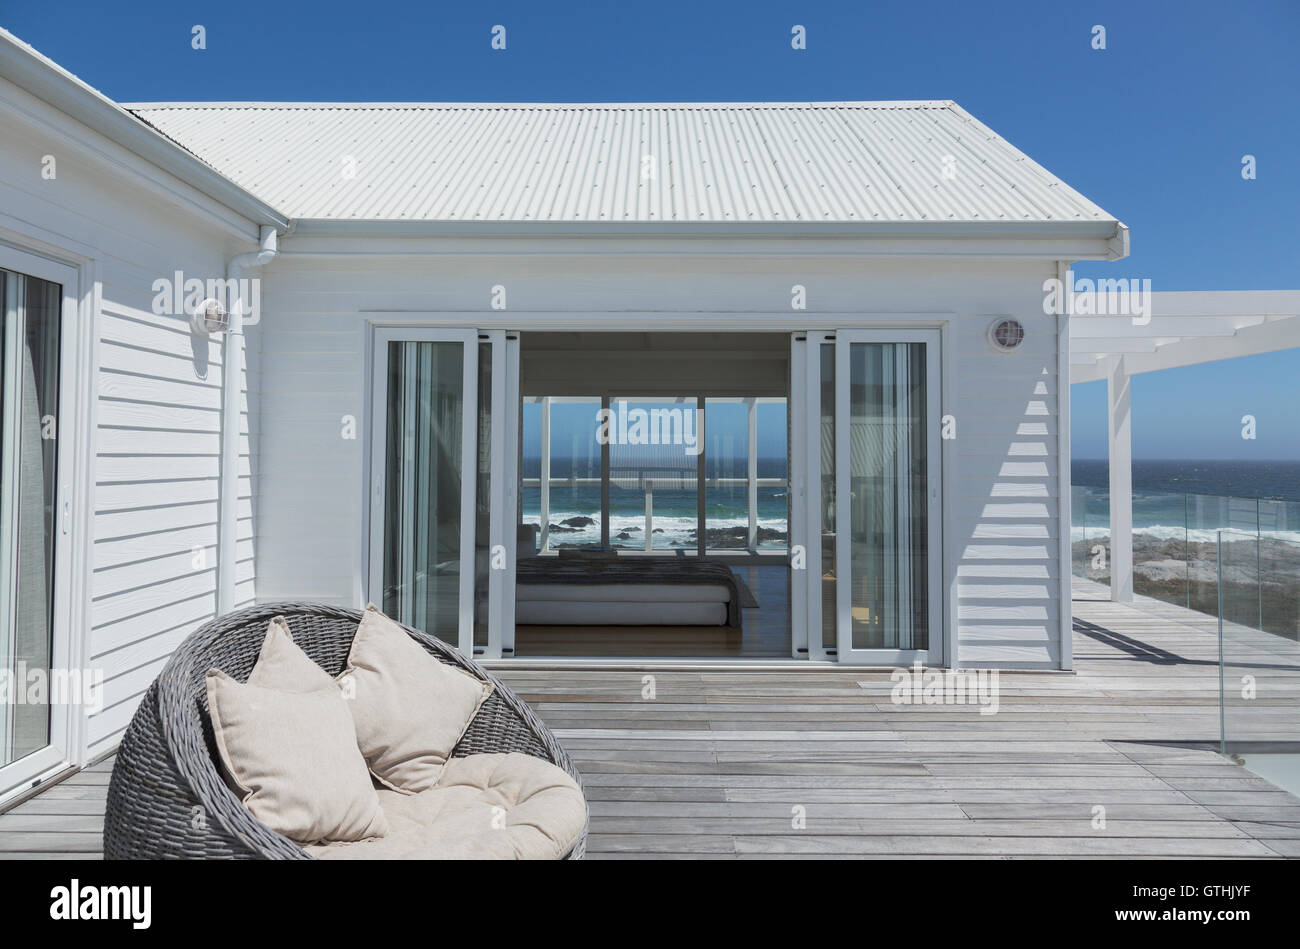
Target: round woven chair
x=167 y=799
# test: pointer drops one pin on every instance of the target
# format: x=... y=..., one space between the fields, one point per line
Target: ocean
x=1176 y=500
x=1171 y=500
x=1274 y=480
x=575 y=508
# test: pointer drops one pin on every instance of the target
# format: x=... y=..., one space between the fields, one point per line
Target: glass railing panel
x=1078 y=529
x=1237 y=577
x=1279 y=567
x=1160 y=563
x=1206 y=516
x=1259 y=670
x=1090 y=533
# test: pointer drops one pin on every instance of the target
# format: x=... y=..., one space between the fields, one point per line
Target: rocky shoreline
x=726 y=538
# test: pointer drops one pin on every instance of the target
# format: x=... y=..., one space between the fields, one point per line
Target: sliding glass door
x=34 y=466
x=887 y=522
x=442 y=539
x=866 y=495
x=422 y=468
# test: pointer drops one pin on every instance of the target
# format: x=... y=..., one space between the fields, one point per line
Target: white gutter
x=1113 y=234
x=232 y=364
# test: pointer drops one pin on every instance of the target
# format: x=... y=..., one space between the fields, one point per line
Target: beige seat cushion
x=289 y=748
x=511 y=806
x=410 y=709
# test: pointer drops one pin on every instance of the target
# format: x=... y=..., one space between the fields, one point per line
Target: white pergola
x=1183 y=329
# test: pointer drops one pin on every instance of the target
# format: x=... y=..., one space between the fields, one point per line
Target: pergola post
x=1121 y=481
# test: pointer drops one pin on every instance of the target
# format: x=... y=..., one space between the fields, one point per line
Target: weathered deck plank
x=817 y=763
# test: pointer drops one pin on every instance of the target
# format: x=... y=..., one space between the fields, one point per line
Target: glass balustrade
x=1259 y=667
x=1176 y=553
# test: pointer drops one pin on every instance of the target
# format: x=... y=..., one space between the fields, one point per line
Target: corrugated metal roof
x=833 y=162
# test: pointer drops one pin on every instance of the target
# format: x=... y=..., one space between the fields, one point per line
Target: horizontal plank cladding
x=1007 y=509
x=156 y=504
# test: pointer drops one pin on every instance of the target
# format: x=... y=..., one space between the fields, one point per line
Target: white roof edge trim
x=818 y=104
x=1102 y=231
x=45 y=79
x=1119 y=244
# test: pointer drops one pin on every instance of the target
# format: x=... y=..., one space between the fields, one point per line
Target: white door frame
x=503 y=506
x=846 y=653
x=509 y=418
x=503 y=485
x=806 y=494
x=468 y=338
x=820 y=324
x=798 y=536
x=72 y=513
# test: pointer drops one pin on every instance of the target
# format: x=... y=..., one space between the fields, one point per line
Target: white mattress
x=624 y=612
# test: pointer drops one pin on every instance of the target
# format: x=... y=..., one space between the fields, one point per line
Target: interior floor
x=765 y=632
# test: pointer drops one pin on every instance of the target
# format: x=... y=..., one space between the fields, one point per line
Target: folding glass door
x=35 y=466
x=442 y=525
x=867 y=495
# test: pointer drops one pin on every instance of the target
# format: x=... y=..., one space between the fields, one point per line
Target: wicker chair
x=167 y=798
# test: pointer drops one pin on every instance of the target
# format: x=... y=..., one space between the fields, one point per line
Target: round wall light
x=1006 y=335
x=210 y=317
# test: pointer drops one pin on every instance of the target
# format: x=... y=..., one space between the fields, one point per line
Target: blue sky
x=1153 y=128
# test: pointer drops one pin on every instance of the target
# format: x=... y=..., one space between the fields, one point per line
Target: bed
x=636 y=591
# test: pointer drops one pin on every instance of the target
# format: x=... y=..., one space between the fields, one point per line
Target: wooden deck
x=720 y=764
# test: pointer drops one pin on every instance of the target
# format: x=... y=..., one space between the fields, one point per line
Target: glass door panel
x=887 y=519
x=30 y=346
x=424 y=467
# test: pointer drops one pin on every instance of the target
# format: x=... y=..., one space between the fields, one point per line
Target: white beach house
x=425 y=314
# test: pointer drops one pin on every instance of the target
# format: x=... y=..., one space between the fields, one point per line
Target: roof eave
x=43 y=78
x=1111 y=235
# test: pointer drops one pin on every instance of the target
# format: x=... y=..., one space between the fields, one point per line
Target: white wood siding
x=1001 y=555
x=1008 y=588
x=158 y=390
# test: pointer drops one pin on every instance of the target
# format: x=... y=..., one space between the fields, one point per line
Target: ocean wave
x=671 y=531
x=1196 y=535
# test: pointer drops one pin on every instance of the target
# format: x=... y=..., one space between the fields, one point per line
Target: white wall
x=157 y=414
x=311 y=342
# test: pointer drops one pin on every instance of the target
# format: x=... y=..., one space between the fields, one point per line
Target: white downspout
x=232 y=361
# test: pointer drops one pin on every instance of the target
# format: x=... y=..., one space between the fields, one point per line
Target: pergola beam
x=1271 y=335
x=1122 y=327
